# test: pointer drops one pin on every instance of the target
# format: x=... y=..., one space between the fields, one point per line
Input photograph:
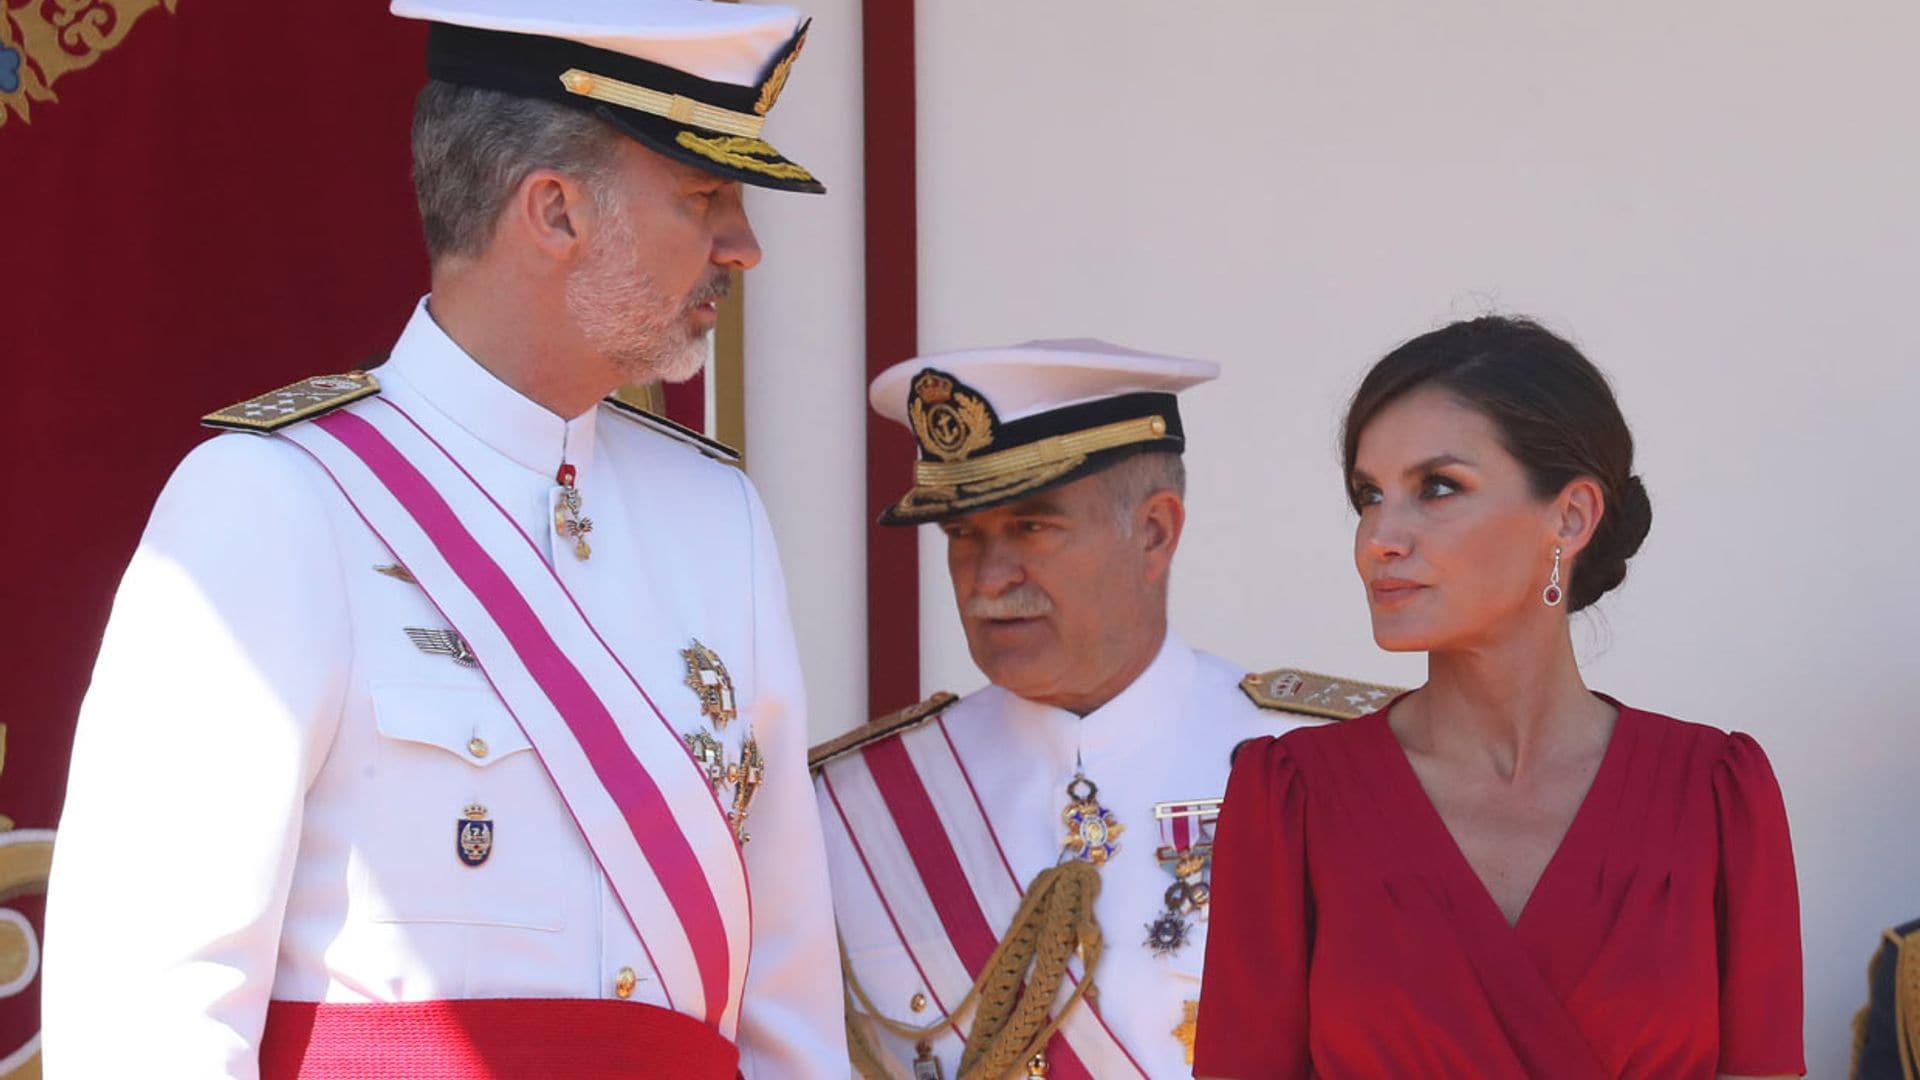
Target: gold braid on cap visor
x=676 y=107
x=1038 y=454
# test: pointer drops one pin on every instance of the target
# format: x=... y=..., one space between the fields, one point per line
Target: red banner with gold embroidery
x=199 y=200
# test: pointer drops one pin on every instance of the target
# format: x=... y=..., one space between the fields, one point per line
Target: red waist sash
x=490 y=1039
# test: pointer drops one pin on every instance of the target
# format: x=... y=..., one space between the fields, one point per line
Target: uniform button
x=624 y=981
x=477 y=746
x=919 y=1003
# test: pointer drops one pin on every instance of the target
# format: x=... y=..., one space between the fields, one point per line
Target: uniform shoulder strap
x=289 y=405
x=1309 y=693
x=887 y=726
x=1906 y=998
x=681 y=433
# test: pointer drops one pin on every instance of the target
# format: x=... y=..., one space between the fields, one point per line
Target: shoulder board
x=1905 y=939
x=713 y=448
x=890 y=724
x=1295 y=691
x=289 y=405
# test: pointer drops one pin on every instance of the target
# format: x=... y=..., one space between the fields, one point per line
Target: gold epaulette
x=1296 y=691
x=289 y=405
x=647 y=418
x=1906 y=997
x=890 y=724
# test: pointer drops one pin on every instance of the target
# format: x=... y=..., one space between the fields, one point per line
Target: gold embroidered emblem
x=777 y=78
x=707 y=678
x=40 y=43
x=950 y=421
x=740 y=152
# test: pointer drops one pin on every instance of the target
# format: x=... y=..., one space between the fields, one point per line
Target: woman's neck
x=1508 y=704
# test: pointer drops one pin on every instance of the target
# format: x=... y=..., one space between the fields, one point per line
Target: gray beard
x=624 y=317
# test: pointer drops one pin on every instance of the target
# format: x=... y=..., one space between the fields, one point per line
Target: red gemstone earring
x=1552 y=595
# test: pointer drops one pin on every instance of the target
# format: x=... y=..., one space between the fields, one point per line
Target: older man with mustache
x=1021 y=876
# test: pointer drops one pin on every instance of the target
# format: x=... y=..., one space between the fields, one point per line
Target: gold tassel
x=1018 y=989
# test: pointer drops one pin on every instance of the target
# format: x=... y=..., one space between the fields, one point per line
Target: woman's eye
x=1436 y=486
x=1366 y=495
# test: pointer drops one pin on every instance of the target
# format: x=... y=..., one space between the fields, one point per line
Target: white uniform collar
x=436 y=368
x=1158 y=697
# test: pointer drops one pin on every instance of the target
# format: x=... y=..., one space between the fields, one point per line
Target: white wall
x=806 y=387
x=1719 y=201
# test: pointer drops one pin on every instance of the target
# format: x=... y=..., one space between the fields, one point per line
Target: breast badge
x=1188 y=1026
x=473 y=835
x=707 y=678
x=447 y=643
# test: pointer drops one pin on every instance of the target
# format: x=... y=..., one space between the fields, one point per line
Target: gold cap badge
x=950 y=421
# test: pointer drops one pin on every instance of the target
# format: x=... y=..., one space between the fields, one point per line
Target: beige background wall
x=1716 y=200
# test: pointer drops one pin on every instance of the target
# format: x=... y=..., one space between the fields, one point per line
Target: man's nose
x=999 y=569
x=734 y=245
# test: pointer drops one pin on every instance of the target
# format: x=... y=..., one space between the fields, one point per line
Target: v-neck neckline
x=1572 y=841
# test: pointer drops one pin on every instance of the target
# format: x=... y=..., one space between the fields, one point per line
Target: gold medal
x=1093 y=833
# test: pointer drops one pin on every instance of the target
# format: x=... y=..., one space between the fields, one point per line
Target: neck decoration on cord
x=1093 y=833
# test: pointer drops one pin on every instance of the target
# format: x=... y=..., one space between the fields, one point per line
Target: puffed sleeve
x=1253 y=1002
x=1759 y=918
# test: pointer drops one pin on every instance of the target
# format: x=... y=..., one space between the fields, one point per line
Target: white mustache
x=1025 y=602
x=714 y=290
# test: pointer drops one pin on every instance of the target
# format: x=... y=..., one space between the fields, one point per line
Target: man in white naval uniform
x=444 y=724
x=1102 y=746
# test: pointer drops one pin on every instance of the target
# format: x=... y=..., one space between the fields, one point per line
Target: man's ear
x=1159 y=521
x=551 y=213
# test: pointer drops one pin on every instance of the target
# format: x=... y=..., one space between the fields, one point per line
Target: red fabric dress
x=1349 y=936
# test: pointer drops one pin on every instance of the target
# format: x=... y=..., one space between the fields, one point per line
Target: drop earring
x=1552 y=594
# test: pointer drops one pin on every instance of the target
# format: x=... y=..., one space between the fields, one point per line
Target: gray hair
x=1129 y=481
x=472 y=147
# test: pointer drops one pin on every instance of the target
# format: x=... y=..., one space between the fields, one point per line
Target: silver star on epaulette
x=443 y=643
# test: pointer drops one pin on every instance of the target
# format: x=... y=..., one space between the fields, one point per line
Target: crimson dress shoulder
x=1349 y=936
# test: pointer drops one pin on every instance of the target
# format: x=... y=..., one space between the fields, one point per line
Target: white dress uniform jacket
x=267 y=773
x=1166 y=738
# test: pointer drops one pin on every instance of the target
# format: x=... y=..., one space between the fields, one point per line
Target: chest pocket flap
x=467 y=721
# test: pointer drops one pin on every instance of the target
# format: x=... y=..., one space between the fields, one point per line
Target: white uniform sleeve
x=791 y=1022
x=215 y=697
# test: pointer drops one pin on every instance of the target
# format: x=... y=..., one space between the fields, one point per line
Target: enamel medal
x=1093 y=833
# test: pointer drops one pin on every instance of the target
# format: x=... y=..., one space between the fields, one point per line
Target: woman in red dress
x=1502 y=874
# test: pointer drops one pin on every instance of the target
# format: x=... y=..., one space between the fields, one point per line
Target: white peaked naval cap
x=997 y=424
x=691 y=79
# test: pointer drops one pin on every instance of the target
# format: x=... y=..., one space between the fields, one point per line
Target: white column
x=805 y=372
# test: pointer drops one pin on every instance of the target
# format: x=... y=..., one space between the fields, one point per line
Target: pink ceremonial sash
x=911 y=813
x=645 y=807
